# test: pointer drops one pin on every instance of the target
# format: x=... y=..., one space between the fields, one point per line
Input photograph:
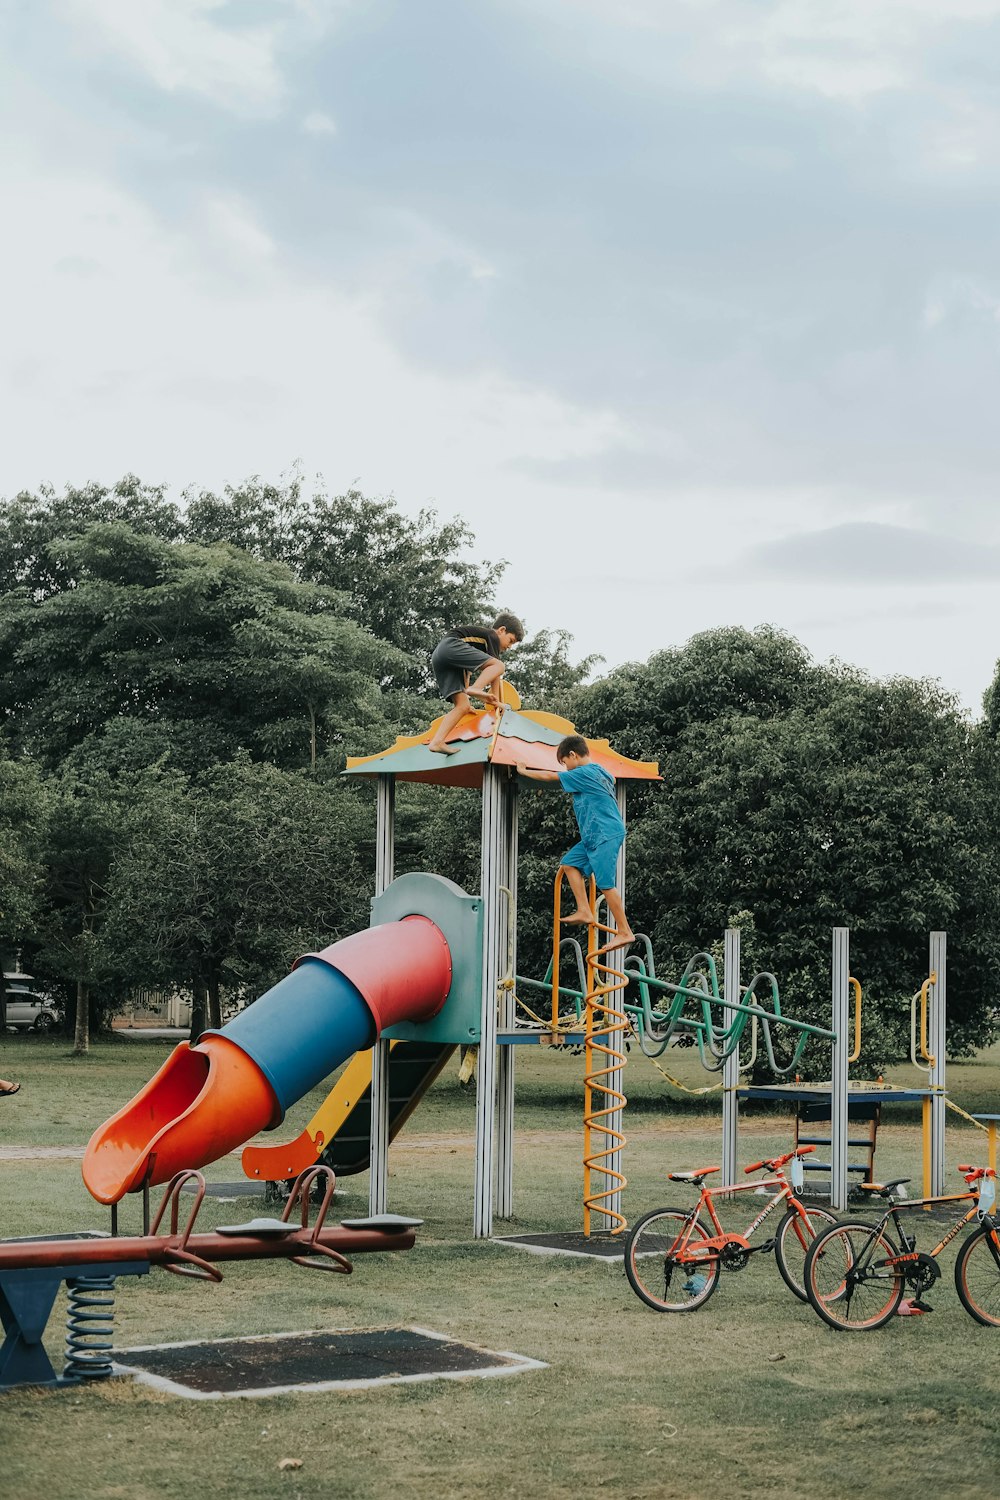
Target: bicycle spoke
x=662 y=1261
x=977 y=1276
x=791 y=1246
x=847 y=1280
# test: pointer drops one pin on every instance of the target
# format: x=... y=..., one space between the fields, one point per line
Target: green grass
x=751 y=1395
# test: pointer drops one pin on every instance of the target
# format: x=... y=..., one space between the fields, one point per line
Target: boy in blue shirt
x=602 y=832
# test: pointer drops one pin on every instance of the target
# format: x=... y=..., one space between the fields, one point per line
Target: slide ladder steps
x=413 y=1067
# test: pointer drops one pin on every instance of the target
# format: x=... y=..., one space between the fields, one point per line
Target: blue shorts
x=599 y=861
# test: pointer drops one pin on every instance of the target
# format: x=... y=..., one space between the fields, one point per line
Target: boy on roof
x=470 y=651
x=602 y=832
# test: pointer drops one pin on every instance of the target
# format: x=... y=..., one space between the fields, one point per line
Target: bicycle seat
x=695 y=1176
x=882 y=1189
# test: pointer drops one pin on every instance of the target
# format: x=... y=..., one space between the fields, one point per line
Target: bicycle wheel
x=847 y=1280
x=791 y=1245
x=651 y=1265
x=977 y=1276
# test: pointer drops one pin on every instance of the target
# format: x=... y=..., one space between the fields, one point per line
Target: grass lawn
x=750 y=1395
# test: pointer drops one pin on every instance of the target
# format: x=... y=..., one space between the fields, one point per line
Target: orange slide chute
x=204 y=1102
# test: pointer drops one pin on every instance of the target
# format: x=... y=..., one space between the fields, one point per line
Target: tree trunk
x=312 y=737
x=199 y=1010
x=81 y=1033
x=214 y=1003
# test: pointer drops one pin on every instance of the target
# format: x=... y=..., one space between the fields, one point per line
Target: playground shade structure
x=210 y=1098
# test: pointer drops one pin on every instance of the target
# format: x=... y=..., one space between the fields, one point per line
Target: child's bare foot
x=443 y=749
x=581 y=918
x=619 y=940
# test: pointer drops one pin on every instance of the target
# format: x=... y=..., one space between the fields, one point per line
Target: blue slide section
x=331 y=1022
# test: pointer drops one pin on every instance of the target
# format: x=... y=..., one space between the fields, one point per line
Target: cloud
x=847 y=50
x=605 y=276
x=869 y=552
x=318 y=122
x=191 y=46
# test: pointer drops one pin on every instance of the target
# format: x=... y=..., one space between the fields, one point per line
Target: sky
x=690 y=308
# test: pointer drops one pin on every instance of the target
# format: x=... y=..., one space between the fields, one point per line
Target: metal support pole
x=507 y=1009
x=841 y=970
x=731 y=1066
x=615 y=1001
x=937 y=1041
x=378 y=1149
x=493 y=946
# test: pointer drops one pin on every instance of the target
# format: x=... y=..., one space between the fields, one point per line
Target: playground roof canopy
x=486 y=738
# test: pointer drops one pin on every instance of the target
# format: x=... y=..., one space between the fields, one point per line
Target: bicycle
x=856 y=1274
x=673 y=1261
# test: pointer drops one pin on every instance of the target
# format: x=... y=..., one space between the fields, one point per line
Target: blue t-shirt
x=593 y=792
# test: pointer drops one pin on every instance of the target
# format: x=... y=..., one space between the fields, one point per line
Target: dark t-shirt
x=479 y=636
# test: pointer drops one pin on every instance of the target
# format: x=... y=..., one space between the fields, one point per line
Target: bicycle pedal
x=767 y=1246
x=912 y=1307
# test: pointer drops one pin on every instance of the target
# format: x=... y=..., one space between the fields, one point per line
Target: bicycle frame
x=723 y=1237
x=893 y=1265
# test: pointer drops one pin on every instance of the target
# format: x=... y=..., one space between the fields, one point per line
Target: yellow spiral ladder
x=604 y=1056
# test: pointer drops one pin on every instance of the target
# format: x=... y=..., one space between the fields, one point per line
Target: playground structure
x=424 y=978
x=32 y=1270
x=437 y=969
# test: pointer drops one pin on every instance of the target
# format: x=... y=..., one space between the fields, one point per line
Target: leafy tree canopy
x=227 y=877
x=214 y=649
x=813 y=797
x=405 y=579
x=33 y=527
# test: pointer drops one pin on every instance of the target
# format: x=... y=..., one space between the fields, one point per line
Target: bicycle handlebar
x=975 y=1174
x=779 y=1161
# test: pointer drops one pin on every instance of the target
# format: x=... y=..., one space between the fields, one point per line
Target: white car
x=28 y=1011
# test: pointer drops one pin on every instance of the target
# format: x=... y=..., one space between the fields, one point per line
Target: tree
x=404 y=579
x=224 y=880
x=33 y=527
x=23 y=815
x=86 y=806
x=812 y=797
x=214 y=651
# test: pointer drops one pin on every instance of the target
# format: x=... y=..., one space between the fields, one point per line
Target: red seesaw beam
x=188 y=1254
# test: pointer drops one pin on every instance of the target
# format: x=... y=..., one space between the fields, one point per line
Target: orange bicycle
x=673 y=1260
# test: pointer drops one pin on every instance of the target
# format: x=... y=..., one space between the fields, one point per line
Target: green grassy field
x=750 y=1395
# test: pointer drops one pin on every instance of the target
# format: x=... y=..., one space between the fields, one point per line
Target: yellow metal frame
x=920 y=1054
x=856 y=986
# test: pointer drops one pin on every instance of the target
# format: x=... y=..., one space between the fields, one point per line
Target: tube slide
x=209 y=1098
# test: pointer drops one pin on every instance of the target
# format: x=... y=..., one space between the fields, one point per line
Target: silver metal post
x=507 y=1010
x=937 y=1041
x=841 y=969
x=378 y=1149
x=493 y=946
x=731 y=1066
x=615 y=1000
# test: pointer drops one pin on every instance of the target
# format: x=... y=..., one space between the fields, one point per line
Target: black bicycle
x=856 y=1275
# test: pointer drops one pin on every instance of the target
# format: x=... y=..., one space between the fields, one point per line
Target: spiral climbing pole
x=605 y=1057
x=603 y=1141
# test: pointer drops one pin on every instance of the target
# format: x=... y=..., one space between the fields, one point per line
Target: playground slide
x=209 y=1098
x=339 y=1133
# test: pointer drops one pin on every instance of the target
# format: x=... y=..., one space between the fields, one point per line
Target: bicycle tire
x=857 y=1306
x=977 y=1276
x=650 y=1241
x=792 y=1243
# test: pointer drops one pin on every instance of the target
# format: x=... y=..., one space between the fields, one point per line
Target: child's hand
x=521 y=768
